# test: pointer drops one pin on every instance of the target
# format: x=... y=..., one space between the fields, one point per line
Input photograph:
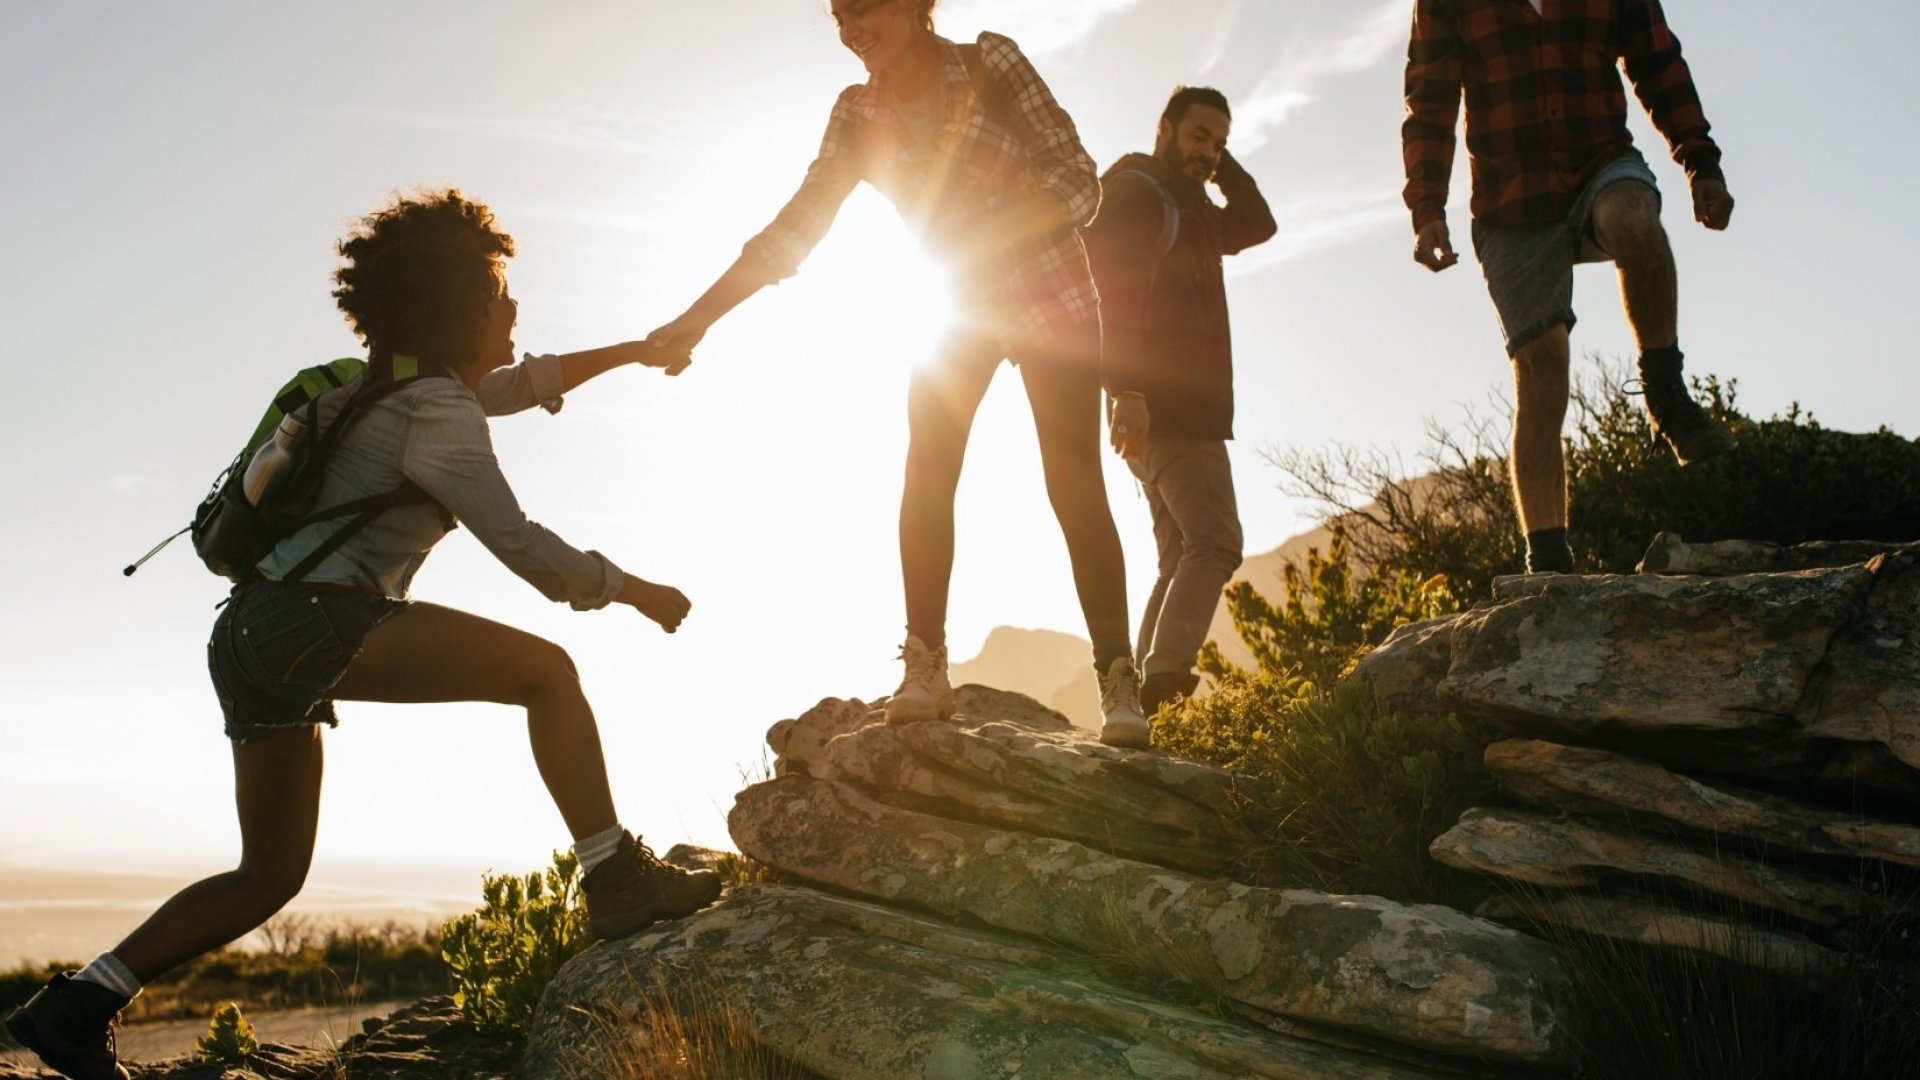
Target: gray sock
x=107 y=970
x=598 y=848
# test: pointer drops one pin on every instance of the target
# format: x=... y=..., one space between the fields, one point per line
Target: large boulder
x=1419 y=975
x=778 y=977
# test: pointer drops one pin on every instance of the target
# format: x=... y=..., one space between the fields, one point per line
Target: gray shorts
x=1529 y=268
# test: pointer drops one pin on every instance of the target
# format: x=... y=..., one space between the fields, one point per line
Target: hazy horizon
x=180 y=173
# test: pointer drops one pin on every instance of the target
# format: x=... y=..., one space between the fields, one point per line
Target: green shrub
x=1346 y=796
x=504 y=953
x=1790 y=481
x=229 y=1039
x=1330 y=616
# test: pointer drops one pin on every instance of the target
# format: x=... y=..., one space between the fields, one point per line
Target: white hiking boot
x=1121 y=721
x=925 y=693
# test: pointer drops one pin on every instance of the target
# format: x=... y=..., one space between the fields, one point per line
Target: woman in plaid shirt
x=970 y=145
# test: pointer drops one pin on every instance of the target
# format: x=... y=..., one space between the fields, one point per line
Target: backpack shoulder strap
x=1169 y=210
x=993 y=96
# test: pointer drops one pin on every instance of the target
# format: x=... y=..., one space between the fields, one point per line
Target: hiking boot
x=1121 y=721
x=633 y=889
x=69 y=1023
x=1679 y=420
x=925 y=693
x=1165 y=687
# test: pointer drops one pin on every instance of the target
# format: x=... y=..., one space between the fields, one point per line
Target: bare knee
x=1626 y=219
x=547 y=672
x=1540 y=378
x=275 y=879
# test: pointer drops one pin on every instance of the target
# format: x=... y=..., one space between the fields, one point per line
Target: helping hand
x=1712 y=206
x=1128 y=426
x=1433 y=246
x=674 y=343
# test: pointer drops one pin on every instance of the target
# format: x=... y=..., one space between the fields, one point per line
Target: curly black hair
x=418 y=274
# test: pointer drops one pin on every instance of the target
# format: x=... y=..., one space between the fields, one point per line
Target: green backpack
x=267 y=492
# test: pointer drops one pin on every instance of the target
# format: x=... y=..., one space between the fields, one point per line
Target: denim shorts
x=277 y=651
x=1529 y=268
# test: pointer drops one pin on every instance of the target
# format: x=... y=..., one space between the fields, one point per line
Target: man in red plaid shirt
x=1556 y=181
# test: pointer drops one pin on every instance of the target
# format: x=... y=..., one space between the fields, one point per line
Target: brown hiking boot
x=1677 y=419
x=1163 y=687
x=633 y=889
x=69 y=1023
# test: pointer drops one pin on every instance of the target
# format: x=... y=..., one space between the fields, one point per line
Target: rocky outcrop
x=1731 y=742
x=1004 y=896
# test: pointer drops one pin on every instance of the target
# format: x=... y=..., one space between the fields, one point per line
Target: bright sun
x=905 y=295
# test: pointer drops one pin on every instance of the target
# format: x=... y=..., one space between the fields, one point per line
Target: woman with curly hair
x=422 y=283
x=970 y=145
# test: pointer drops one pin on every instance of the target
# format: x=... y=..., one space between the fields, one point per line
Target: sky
x=175 y=176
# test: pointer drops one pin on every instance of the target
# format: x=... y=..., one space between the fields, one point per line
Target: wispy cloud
x=1040 y=26
x=581 y=125
x=1304 y=64
x=1221 y=37
x=1314 y=224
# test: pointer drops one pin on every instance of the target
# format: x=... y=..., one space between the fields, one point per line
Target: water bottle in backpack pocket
x=267 y=492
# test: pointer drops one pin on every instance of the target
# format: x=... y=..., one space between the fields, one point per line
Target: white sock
x=598 y=848
x=107 y=970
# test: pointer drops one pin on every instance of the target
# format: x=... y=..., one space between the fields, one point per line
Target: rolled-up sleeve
x=801 y=224
x=1054 y=152
x=535 y=380
x=449 y=454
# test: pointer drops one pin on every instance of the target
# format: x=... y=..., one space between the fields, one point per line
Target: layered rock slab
x=1641 y=921
x=1419 y=975
x=1561 y=852
x=1610 y=785
x=993 y=766
x=849 y=989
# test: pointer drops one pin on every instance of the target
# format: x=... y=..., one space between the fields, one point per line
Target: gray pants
x=1196 y=524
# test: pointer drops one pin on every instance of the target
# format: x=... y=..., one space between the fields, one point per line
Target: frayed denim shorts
x=1529 y=268
x=277 y=650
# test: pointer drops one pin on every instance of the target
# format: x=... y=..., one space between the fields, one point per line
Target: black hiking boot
x=1689 y=432
x=632 y=890
x=69 y=1023
x=1162 y=687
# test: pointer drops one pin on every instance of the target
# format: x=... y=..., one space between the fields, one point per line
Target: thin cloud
x=1221 y=36
x=1039 y=27
x=1308 y=226
x=580 y=126
x=1303 y=65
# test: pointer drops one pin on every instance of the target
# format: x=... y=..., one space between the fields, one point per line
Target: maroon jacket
x=1165 y=317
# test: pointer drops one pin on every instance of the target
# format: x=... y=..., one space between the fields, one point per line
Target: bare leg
x=1064 y=392
x=433 y=653
x=277 y=794
x=1626 y=222
x=1540 y=411
x=940 y=410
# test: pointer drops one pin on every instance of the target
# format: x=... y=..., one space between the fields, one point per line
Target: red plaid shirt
x=973 y=166
x=1545 y=106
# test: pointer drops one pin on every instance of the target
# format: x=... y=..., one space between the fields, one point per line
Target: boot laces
x=923 y=664
x=1120 y=690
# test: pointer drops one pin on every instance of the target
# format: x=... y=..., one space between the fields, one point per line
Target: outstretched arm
x=1664 y=83
x=1433 y=85
x=544 y=380
x=777 y=252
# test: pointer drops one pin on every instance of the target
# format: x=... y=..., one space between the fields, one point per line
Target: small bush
x=1346 y=795
x=504 y=953
x=229 y=1039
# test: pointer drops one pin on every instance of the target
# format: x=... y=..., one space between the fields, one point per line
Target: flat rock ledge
x=1002 y=896
x=1722 y=752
